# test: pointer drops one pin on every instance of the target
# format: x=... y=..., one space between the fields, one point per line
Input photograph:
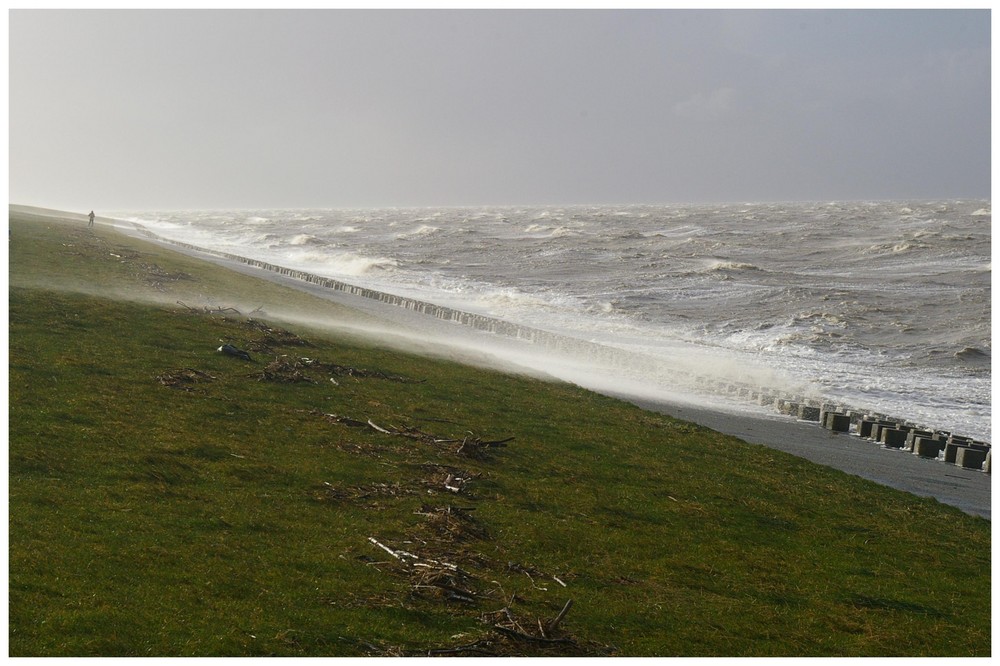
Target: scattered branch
x=207 y=310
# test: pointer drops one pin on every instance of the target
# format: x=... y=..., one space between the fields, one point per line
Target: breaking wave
x=801 y=288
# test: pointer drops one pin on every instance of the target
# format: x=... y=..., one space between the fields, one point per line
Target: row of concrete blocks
x=892 y=434
x=879 y=428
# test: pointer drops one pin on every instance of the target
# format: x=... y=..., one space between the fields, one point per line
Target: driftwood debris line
x=275 y=335
x=414 y=433
x=283 y=369
x=504 y=622
x=345 y=370
x=280 y=370
x=208 y=310
x=452 y=524
x=429 y=573
x=330 y=492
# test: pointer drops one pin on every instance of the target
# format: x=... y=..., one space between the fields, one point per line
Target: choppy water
x=884 y=305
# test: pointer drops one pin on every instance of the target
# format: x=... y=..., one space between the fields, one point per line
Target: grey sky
x=147 y=109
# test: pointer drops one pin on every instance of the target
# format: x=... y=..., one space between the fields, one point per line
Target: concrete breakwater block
x=952 y=449
x=894 y=438
x=865 y=426
x=878 y=426
x=926 y=447
x=808 y=413
x=788 y=407
x=914 y=433
x=970 y=458
x=837 y=422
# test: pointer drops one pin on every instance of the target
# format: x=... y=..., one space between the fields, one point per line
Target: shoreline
x=271 y=499
x=966 y=489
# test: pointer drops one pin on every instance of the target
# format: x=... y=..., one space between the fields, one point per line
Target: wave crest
x=723 y=265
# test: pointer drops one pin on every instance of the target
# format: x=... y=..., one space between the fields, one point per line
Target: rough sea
x=884 y=306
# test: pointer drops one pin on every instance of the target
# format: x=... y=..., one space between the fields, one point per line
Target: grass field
x=169 y=500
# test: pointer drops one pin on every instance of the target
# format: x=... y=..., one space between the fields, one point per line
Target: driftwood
x=454 y=483
x=532 y=573
x=353 y=423
x=562 y=614
x=481 y=646
x=415 y=560
x=513 y=633
x=153 y=274
x=378 y=428
x=414 y=433
x=330 y=492
x=505 y=622
x=509 y=638
x=469 y=445
x=288 y=370
x=345 y=370
x=207 y=310
x=427 y=573
x=281 y=370
x=451 y=524
x=275 y=336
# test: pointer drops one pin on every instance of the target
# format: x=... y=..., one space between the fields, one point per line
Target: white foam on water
x=724 y=287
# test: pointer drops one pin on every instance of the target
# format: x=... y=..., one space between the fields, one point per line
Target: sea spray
x=870 y=302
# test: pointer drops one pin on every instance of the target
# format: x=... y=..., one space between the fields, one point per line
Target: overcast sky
x=181 y=109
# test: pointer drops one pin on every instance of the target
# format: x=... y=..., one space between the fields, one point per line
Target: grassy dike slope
x=166 y=499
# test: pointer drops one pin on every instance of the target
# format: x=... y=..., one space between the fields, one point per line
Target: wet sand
x=968 y=490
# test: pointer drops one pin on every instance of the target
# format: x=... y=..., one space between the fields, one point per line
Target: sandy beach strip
x=966 y=489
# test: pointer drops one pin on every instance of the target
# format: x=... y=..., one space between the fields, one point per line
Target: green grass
x=233 y=518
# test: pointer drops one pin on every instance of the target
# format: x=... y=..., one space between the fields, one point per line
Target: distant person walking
x=91 y=219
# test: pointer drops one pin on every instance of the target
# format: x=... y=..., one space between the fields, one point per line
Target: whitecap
x=422 y=230
x=893 y=248
x=341 y=263
x=545 y=231
x=305 y=239
x=723 y=265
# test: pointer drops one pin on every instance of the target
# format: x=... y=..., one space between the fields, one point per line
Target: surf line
x=833 y=416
